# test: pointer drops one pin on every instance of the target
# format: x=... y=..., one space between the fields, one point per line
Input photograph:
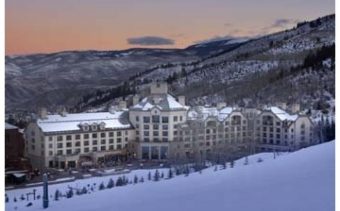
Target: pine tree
x=6 y=198
x=170 y=173
x=156 y=176
x=162 y=175
x=141 y=180
x=15 y=199
x=110 y=184
x=246 y=162
x=259 y=160
x=69 y=194
x=178 y=172
x=84 y=190
x=101 y=186
x=135 y=179
x=232 y=164
x=215 y=169
x=149 y=175
x=119 y=182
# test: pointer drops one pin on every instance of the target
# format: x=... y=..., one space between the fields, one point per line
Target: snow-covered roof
x=283 y=115
x=160 y=101
x=9 y=126
x=71 y=122
x=200 y=112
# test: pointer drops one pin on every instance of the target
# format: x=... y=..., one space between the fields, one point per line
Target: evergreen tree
x=101 y=186
x=259 y=160
x=69 y=193
x=22 y=197
x=246 y=162
x=84 y=190
x=6 y=198
x=162 y=175
x=15 y=199
x=178 y=172
x=110 y=184
x=215 y=169
x=170 y=173
x=135 y=179
x=156 y=175
x=141 y=180
x=149 y=176
x=232 y=164
x=119 y=182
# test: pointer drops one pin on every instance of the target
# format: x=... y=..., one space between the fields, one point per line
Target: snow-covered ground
x=303 y=180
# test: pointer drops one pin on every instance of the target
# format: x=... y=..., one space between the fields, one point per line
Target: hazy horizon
x=70 y=25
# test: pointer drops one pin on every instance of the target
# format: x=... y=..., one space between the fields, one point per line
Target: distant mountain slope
x=60 y=78
x=270 y=69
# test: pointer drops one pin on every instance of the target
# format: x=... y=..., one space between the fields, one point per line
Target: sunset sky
x=42 y=26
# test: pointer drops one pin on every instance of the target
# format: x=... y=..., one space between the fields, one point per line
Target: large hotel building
x=161 y=127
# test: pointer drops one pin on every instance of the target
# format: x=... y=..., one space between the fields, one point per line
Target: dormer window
x=85 y=127
x=94 y=127
x=102 y=126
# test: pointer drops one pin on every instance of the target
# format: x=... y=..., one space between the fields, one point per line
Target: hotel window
x=119 y=140
x=59 y=152
x=60 y=138
x=86 y=149
x=119 y=133
x=69 y=151
x=77 y=144
x=50 y=138
x=155 y=127
x=119 y=146
x=146 y=119
x=86 y=136
x=165 y=127
x=165 y=133
x=111 y=147
x=102 y=135
x=137 y=118
x=175 y=118
x=68 y=144
x=94 y=149
x=146 y=133
x=94 y=135
x=102 y=148
x=155 y=118
x=103 y=141
x=165 y=119
x=60 y=145
x=86 y=143
x=50 y=146
x=94 y=142
x=180 y=118
x=68 y=137
x=110 y=141
x=110 y=134
x=77 y=136
x=155 y=133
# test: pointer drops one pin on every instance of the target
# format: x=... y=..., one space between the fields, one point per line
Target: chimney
x=295 y=107
x=135 y=100
x=221 y=105
x=122 y=104
x=63 y=112
x=112 y=109
x=43 y=113
x=181 y=100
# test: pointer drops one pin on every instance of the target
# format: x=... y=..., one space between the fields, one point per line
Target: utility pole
x=45 y=191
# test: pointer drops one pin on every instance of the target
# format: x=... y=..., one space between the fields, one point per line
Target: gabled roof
x=283 y=115
x=72 y=122
x=163 y=102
